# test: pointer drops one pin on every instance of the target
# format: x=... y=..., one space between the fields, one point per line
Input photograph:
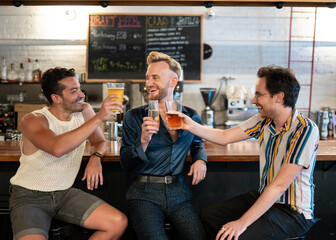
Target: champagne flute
x=153 y=111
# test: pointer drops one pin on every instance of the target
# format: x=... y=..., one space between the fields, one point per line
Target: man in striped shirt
x=283 y=206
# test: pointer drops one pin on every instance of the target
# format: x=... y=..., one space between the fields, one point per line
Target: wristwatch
x=98 y=154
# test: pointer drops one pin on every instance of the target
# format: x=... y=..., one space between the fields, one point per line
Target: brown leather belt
x=157 y=179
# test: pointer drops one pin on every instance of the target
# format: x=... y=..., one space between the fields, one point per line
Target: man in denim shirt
x=156 y=156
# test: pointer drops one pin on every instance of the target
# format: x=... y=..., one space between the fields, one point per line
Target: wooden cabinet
x=22 y=109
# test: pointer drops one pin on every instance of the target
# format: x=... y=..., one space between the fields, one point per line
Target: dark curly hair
x=279 y=79
x=49 y=81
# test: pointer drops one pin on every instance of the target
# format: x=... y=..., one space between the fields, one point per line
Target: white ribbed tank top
x=44 y=172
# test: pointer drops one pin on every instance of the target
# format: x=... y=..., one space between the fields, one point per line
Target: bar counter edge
x=246 y=151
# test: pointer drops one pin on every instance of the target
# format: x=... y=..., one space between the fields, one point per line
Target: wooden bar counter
x=245 y=151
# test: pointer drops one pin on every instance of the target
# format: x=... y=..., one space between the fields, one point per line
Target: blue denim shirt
x=163 y=156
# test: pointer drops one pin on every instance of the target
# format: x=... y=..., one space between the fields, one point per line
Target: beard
x=163 y=92
x=76 y=106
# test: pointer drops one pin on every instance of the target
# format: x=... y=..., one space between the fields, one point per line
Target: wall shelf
x=40 y=42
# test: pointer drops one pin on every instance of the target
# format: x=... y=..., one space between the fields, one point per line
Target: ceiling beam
x=289 y=3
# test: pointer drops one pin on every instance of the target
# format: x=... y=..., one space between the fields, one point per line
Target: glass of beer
x=173 y=107
x=153 y=111
x=118 y=89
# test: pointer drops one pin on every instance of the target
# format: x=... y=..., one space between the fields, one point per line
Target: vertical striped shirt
x=295 y=143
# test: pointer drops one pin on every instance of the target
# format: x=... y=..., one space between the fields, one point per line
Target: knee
x=119 y=223
x=123 y=221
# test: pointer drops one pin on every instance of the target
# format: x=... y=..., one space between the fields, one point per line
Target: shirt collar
x=287 y=124
x=290 y=120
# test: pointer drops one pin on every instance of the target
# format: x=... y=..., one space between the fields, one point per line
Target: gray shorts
x=31 y=211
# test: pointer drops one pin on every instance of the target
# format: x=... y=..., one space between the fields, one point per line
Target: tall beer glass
x=118 y=89
x=173 y=107
x=153 y=111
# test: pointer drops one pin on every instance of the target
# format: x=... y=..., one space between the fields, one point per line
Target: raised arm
x=36 y=130
x=218 y=136
x=132 y=153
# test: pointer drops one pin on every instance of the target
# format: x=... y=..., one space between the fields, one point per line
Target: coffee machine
x=208 y=114
x=237 y=110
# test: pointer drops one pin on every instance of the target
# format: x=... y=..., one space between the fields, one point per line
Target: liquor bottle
x=29 y=72
x=12 y=74
x=21 y=74
x=324 y=126
x=334 y=123
x=4 y=70
x=330 y=124
x=36 y=71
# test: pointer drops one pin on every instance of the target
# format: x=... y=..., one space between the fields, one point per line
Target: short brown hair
x=50 y=81
x=161 y=57
x=280 y=79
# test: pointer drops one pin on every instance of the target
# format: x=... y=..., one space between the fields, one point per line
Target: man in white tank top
x=52 y=146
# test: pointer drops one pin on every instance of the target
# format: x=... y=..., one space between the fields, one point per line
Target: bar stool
x=297 y=238
x=169 y=230
x=131 y=235
x=62 y=231
x=5 y=223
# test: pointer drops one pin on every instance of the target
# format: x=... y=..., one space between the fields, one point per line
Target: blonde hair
x=161 y=57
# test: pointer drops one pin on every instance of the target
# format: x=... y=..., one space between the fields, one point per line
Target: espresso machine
x=237 y=110
x=208 y=114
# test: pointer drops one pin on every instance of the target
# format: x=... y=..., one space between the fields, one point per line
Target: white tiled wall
x=243 y=39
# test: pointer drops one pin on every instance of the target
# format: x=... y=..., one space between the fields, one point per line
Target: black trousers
x=279 y=222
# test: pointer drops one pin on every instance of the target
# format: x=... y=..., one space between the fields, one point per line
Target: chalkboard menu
x=118 y=45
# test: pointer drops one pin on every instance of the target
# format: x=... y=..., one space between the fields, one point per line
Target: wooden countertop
x=236 y=152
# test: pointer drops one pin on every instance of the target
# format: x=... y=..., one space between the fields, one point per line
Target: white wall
x=243 y=39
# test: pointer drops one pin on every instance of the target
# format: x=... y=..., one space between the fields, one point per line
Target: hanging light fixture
x=17 y=3
x=104 y=4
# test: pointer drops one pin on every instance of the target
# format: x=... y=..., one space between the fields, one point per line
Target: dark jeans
x=149 y=204
x=278 y=223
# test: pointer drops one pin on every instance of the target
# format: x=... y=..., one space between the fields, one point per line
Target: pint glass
x=173 y=107
x=118 y=89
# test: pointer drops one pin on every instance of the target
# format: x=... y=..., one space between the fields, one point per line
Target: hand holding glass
x=118 y=89
x=173 y=108
x=153 y=111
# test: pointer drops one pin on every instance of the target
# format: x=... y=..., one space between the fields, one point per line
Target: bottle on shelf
x=330 y=124
x=37 y=73
x=324 y=124
x=3 y=70
x=12 y=74
x=29 y=71
x=21 y=74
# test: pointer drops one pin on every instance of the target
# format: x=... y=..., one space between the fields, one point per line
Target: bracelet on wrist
x=97 y=154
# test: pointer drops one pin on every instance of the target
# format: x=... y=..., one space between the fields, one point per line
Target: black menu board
x=117 y=45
